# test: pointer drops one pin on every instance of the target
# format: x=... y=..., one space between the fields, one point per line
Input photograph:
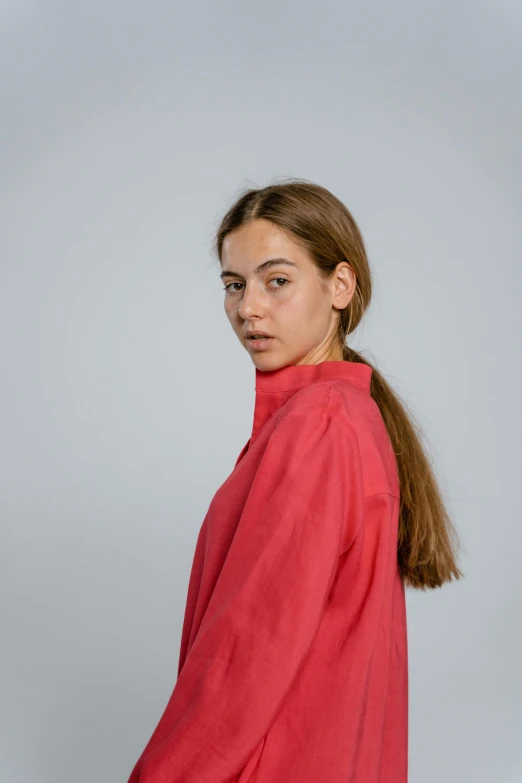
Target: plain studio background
x=127 y=129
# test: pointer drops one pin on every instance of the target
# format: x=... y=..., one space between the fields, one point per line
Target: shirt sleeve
x=303 y=505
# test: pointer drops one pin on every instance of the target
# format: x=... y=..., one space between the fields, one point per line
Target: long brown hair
x=322 y=224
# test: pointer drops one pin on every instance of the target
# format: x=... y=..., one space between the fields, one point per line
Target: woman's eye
x=229 y=286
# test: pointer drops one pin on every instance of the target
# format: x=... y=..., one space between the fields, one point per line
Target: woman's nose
x=251 y=304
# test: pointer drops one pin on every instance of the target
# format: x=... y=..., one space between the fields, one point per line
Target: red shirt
x=293 y=664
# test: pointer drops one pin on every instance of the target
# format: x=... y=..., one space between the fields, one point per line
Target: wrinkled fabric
x=293 y=663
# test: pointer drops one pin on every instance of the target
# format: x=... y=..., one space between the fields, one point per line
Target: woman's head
x=310 y=303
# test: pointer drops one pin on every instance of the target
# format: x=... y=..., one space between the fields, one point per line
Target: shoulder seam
x=327 y=401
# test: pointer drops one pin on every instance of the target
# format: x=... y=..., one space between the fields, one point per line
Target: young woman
x=293 y=664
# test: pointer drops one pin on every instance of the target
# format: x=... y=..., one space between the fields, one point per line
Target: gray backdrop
x=127 y=130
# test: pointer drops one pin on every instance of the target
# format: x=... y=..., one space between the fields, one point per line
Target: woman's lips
x=259 y=344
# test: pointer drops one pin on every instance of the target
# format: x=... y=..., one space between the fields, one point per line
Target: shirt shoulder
x=339 y=400
x=356 y=408
x=313 y=422
x=314 y=395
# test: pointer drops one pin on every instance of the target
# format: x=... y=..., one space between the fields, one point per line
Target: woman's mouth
x=259 y=343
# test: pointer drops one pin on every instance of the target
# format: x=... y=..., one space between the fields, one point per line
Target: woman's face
x=284 y=298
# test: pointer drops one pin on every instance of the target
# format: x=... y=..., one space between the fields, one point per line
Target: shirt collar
x=275 y=387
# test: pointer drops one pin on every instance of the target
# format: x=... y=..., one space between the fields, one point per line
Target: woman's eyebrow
x=260 y=268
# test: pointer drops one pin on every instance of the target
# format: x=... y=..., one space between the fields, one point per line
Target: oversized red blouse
x=293 y=665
